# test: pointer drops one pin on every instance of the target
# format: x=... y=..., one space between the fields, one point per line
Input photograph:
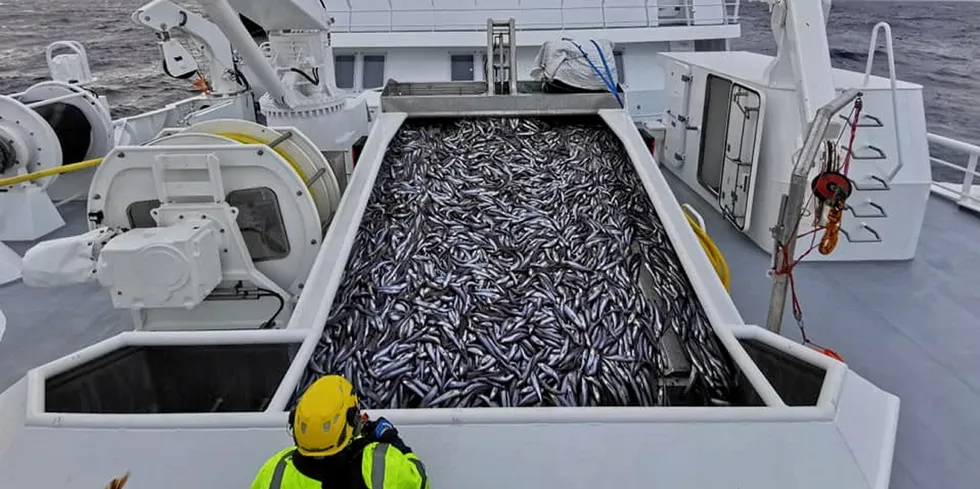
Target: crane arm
x=803 y=54
x=164 y=16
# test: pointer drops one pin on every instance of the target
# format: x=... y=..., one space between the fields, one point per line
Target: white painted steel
x=325 y=190
x=37 y=415
x=843 y=445
x=165 y=16
x=140 y=128
x=11 y=265
x=377 y=16
x=27 y=214
x=227 y=19
x=34 y=142
x=68 y=185
x=121 y=181
x=70 y=67
x=903 y=203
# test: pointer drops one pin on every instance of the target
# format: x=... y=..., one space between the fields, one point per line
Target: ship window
x=260 y=220
x=461 y=67
x=374 y=71
x=714 y=132
x=139 y=213
x=343 y=66
x=620 y=74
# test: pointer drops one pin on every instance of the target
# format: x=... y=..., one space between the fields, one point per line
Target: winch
x=222 y=210
x=51 y=124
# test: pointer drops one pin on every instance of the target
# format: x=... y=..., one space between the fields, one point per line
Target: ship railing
x=655 y=13
x=964 y=193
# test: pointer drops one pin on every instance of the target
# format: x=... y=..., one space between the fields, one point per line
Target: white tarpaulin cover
x=562 y=61
x=63 y=261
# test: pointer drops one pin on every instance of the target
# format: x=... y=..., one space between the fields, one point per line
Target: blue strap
x=608 y=81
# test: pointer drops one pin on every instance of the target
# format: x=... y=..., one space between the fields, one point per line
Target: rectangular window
x=620 y=74
x=461 y=66
x=343 y=66
x=374 y=71
x=714 y=132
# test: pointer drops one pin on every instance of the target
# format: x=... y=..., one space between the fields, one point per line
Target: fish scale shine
x=511 y=249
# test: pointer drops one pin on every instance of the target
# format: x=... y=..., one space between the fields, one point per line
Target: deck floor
x=911 y=328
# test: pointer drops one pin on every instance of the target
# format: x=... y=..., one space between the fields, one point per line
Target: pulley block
x=831 y=186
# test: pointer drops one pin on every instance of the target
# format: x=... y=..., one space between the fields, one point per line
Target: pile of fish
x=498 y=264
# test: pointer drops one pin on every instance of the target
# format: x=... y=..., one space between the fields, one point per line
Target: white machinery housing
x=731 y=137
x=52 y=123
x=222 y=211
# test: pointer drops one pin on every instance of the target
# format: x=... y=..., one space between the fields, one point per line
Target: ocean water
x=936 y=45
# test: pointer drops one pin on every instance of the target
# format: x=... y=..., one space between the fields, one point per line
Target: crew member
x=337 y=448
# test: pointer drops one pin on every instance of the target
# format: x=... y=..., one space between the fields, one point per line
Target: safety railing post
x=971 y=170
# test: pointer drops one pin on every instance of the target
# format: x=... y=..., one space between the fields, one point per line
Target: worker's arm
x=385 y=466
x=402 y=469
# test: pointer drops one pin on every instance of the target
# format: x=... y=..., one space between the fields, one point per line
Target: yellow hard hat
x=325 y=418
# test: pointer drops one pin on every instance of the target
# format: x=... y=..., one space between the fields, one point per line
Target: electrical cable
x=315 y=79
x=282 y=305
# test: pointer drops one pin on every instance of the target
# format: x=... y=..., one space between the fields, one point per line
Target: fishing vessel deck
x=909 y=327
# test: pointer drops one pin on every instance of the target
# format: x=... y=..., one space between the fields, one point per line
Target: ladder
x=501 y=57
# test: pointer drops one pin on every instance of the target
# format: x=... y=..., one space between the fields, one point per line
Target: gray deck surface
x=911 y=328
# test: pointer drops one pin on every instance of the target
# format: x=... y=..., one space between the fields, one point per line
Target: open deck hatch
x=172 y=379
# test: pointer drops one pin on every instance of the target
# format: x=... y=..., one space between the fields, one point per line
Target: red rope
x=853 y=122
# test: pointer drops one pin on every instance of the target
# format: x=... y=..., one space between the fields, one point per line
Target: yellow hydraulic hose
x=714 y=254
x=241 y=138
x=81 y=165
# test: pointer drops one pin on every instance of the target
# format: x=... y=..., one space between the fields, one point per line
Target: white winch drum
x=97 y=123
x=30 y=139
x=297 y=147
x=277 y=215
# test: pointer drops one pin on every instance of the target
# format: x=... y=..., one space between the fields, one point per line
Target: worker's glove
x=381 y=430
x=378 y=428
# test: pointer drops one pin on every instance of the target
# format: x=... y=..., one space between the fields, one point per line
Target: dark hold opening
x=798 y=383
x=172 y=379
x=72 y=128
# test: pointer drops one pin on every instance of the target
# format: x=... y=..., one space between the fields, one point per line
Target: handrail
x=685 y=19
x=969 y=172
x=889 y=50
x=784 y=234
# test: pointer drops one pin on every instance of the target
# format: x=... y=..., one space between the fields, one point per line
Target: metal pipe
x=60 y=98
x=227 y=19
x=890 y=51
x=512 y=54
x=789 y=219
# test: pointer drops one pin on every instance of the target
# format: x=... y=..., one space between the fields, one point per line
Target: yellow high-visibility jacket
x=382 y=467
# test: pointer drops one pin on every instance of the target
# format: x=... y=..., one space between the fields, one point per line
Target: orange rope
x=832 y=231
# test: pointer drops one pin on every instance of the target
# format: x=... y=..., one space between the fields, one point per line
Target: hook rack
x=884 y=184
x=876 y=238
x=880 y=209
x=879 y=156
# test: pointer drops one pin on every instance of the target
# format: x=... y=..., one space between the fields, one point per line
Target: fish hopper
x=510 y=280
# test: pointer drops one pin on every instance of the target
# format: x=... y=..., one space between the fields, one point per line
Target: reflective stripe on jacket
x=382 y=467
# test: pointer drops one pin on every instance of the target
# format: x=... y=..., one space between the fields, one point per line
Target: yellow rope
x=246 y=139
x=241 y=138
x=714 y=254
x=81 y=165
